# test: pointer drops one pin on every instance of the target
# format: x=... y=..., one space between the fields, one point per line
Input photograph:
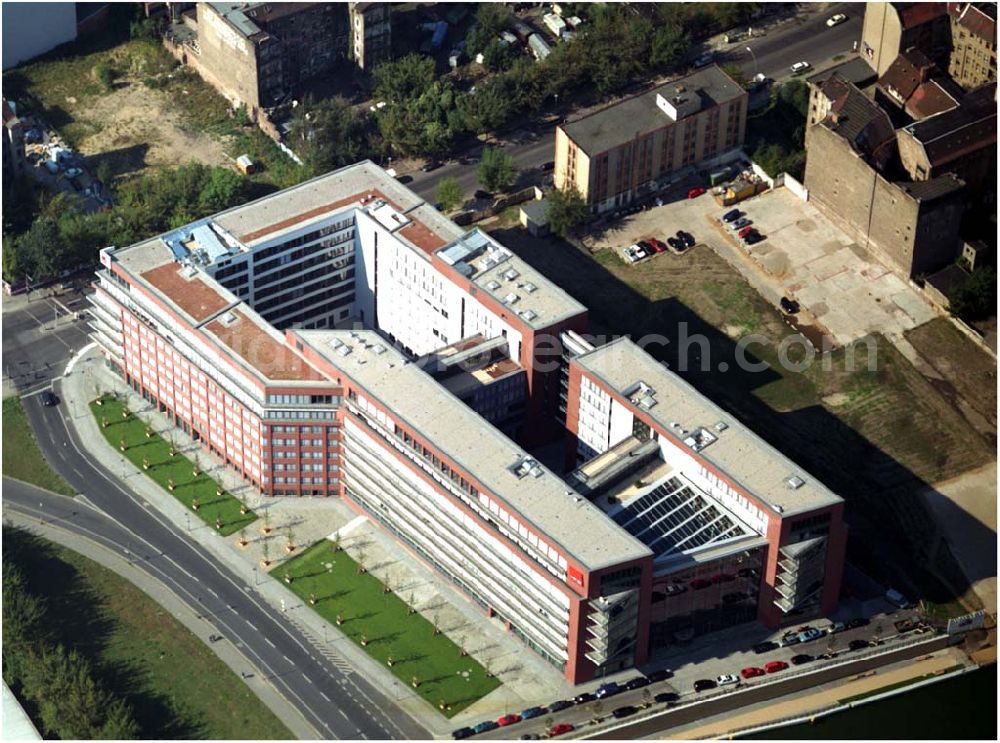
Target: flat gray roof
x=737 y=451
x=620 y=123
x=509 y=280
x=562 y=515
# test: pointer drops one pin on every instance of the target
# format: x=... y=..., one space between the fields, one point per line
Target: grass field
x=155 y=451
x=178 y=688
x=383 y=621
x=22 y=458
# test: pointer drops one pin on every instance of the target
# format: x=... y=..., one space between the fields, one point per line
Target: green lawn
x=177 y=687
x=162 y=468
x=22 y=458
x=382 y=620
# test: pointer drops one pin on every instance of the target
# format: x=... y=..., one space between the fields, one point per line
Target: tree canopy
x=565 y=209
x=449 y=193
x=328 y=135
x=496 y=169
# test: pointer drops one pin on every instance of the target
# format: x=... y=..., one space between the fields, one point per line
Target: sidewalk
x=182 y=612
x=526 y=678
x=824 y=698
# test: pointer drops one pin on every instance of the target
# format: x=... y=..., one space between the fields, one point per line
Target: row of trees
x=424 y=113
x=62 y=236
x=58 y=686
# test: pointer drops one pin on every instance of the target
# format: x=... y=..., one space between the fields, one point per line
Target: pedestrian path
x=527 y=679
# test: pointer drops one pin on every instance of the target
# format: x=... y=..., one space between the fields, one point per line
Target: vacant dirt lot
x=136 y=127
x=133 y=126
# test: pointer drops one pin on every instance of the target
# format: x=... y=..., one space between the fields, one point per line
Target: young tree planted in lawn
x=496 y=170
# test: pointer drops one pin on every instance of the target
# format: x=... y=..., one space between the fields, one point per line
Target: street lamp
x=754 y=56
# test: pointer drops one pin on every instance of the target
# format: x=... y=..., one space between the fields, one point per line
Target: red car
x=752 y=672
x=775 y=665
x=508 y=720
x=561 y=729
x=699 y=583
x=658 y=246
x=694 y=193
x=745 y=231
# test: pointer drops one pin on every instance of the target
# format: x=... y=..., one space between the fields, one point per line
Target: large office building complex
x=342 y=338
x=621 y=152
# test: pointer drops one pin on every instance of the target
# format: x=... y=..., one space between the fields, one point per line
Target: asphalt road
x=337 y=702
x=799 y=40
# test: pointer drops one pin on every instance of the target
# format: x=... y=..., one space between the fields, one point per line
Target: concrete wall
x=30 y=29
x=912 y=236
x=880 y=36
x=228 y=61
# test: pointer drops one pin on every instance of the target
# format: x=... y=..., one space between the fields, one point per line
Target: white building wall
x=30 y=29
x=621 y=423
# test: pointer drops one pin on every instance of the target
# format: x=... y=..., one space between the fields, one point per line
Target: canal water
x=964 y=707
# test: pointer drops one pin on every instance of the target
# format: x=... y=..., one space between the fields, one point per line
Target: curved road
x=338 y=703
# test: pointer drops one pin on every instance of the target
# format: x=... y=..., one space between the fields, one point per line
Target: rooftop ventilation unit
x=510 y=274
x=511 y=298
x=529 y=287
x=721 y=426
x=335 y=343
x=344 y=350
x=528 y=315
x=378 y=349
x=794 y=482
x=493 y=285
x=699 y=439
x=227 y=319
x=189 y=272
x=526 y=466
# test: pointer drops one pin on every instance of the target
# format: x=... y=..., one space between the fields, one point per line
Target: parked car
x=835 y=20
x=667 y=697
x=745 y=231
x=549 y=165
x=636 y=682
x=49 y=399
x=530 y=736
x=897 y=599
x=791 y=307
x=481 y=194
x=646 y=247
x=462 y=733
x=560 y=705
x=704 y=685
x=584 y=698
x=561 y=729
x=835 y=627
x=810 y=634
x=857 y=644
x=694 y=193
x=753 y=238
x=656 y=676
x=607 y=690
x=752 y=672
x=700 y=583
x=508 y=720
x=791 y=638
x=625 y=711
x=677 y=245
x=533 y=712
x=431 y=165
x=739 y=224
x=484 y=727
x=800 y=67
x=765 y=647
x=685 y=237
x=775 y=665
x=657 y=245
x=798 y=660
x=404 y=178
x=857 y=622
x=731 y=215
x=727 y=679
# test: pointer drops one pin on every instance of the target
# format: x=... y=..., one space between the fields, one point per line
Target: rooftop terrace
x=693 y=421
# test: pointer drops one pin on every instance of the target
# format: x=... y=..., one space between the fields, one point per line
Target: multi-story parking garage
x=311 y=341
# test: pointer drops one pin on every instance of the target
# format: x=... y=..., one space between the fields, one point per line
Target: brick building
x=853 y=173
x=256 y=54
x=618 y=154
x=974 y=43
x=234 y=327
x=891 y=28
